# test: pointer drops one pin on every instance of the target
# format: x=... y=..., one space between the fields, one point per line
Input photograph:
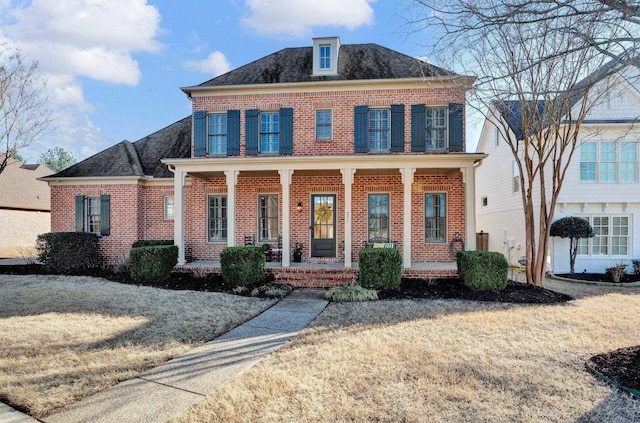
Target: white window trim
x=388 y=130
x=209 y=240
x=330 y=125
x=277 y=195
x=589 y=242
x=617 y=163
x=165 y=207
x=334 y=44
x=446 y=217
x=388 y=194
x=446 y=126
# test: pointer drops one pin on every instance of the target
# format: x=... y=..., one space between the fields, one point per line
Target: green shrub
x=342 y=293
x=636 y=266
x=69 y=252
x=152 y=242
x=483 y=270
x=152 y=263
x=242 y=266
x=380 y=268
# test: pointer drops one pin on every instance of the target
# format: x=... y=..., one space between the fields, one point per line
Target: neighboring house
x=24 y=208
x=328 y=146
x=602 y=185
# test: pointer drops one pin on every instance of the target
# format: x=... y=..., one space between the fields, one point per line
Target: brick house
x=328 y=146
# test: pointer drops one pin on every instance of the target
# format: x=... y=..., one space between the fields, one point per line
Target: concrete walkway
x=167 y=390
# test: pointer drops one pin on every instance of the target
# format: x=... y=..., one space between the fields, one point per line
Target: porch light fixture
x=299 y=206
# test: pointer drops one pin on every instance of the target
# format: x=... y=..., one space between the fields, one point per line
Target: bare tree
x=24 y=117
x=535 y=82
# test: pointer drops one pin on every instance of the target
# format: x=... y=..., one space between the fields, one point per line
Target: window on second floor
x=217 y=134
x=515 y=178
x=608 y=161
x=269 y=132
x=379 y=128
x=436 y=128
x=324 y=123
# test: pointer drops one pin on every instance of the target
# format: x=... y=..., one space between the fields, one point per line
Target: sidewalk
x=167 y=390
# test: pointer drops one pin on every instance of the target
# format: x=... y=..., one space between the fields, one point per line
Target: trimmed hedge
x=152 y=242
x=152 y=263
x=241 y=266
x=380 y=268
x=69 y=252
x=483 y=270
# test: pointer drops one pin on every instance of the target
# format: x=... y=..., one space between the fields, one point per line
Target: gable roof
x=141 y=158
x=21 y=188
x=355 y=62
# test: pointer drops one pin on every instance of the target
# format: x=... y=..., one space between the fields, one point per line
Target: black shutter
x=79 y=213
x=233 y=132
x=105 y=215
x=199 y=134
x=455 y=127
x=360 y=129
x=251 y=131
x=418 y=139
x=286 y=130
x=397 y=127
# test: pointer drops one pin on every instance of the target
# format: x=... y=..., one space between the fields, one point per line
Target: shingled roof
x=21 y=189
x=141 y=158
x=355 y=62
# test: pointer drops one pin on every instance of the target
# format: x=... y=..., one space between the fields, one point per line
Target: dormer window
x=325 y=56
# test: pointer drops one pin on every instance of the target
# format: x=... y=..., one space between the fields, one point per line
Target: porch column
x=232 y=181
x=285 y=181
x=178 y=213
x=469 y=179
x=407 y=182
x=347 y=180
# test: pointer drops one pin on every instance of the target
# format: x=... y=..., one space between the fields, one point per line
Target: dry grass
x=442 y=361
x=63 y=338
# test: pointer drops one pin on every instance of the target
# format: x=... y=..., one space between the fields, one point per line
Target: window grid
x=608 y=162
x=515 y=179
x=92 y=217
x=378 y=129
x=269 y=132
x=268 y=217
x=378 y=216
x=435 y=211
x=218 y=133
x=325 y=56
x=168 y=207
x=324 y=118
x=588 y=160
x=217 y=218
x=611 y=236
x=619 y=235
x=628 y=162
x=436 y=128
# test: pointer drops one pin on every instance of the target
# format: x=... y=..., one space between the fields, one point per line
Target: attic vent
x=325 y=56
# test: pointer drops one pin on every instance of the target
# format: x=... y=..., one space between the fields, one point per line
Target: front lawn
x=66 y=337
x=434 y=360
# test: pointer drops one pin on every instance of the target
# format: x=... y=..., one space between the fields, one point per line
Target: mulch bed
x=621 y=366
x=599 y=277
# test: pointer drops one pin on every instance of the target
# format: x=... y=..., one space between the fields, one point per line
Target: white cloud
x=216 y=63
x=298 y=17
x=81 y=38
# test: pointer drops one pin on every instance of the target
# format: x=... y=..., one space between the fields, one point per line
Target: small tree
x=574 y=228
x=57 y=158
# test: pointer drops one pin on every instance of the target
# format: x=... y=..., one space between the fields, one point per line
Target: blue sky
x=114 y=67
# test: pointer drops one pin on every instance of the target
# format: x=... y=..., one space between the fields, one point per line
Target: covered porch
x=344 y=179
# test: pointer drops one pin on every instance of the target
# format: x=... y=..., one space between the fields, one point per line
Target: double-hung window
x=515 y=178
x=436 y=128
x=608 y=161
x=611 y=236
x=324 y=118
x=378 y=213
x=217 y=218
x=93 y=214
x=379 y=129
x=217 y=133
x=435 y=217
x=268 y=217
x=269 y=132
x=168 y=207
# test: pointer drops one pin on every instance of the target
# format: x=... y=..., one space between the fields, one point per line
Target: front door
x=323 y=225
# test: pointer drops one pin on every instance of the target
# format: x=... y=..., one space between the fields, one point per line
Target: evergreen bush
x=380 y=268
x=483 y=270
x=69 y=252
x=242 y=266
x=153 y=263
